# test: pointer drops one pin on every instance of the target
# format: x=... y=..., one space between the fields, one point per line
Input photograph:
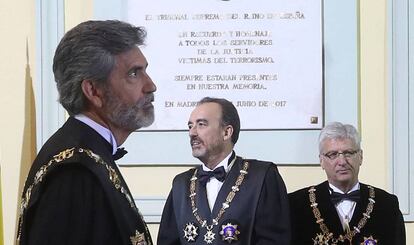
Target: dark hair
x=229 y=115
x=88 y=52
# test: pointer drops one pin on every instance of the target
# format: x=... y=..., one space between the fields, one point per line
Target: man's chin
x=345 y=180
x=147 y=121
x=197 y=154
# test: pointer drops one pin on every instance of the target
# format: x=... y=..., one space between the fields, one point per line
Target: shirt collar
x=335 y=189
x=104 y=132
x=225 y=163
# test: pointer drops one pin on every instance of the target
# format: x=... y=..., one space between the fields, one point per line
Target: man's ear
x=93 y=93
x=321 y=163
x=228 y=132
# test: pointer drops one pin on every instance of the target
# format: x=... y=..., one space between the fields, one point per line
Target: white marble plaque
x=265 y=56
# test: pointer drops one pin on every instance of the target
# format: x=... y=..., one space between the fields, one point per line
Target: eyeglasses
x=335 y=154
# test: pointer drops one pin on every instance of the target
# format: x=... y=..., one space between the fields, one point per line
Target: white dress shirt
x=345 y=208
x=213 y=186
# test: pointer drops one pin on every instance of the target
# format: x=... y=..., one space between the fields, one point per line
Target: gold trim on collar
x=56 y=160
x=326 y=235
x=209 y=236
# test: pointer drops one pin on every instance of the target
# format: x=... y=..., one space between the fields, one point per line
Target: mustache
x=149 y=98
x=195 y=138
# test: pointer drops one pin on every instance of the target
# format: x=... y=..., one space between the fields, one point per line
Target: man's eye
x=132 y=74
x=332 y=154
x=348 y=153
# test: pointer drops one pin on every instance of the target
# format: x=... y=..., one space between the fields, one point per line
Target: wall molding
x=50 y=115
x=151 y=207
x=401 y=104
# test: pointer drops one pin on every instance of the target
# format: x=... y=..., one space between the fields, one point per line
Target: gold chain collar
x=326 y=234
x=64 y=155
x=225 y=205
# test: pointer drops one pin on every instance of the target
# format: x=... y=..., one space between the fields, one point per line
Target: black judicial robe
x=259 y=209
x=71 y=197
x=385 y=225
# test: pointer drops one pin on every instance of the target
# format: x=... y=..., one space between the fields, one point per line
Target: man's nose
x=150 y=86
x=341 y=159
x=192 y=131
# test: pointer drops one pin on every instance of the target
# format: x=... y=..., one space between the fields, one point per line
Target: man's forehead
x=132 y=57
x=334 y=142
x=206 y=111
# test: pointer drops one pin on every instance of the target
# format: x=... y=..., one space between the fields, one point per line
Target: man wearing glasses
x=342 y=210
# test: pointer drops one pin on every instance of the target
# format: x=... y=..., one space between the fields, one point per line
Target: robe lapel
x=202 y=202
x=228 y=183
x=331 y=217
x=360 y=206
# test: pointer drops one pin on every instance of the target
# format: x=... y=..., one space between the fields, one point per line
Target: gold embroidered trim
x=64 y=155
x=225 y=205
x=327 y=235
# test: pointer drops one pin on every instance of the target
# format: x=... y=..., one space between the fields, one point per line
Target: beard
x=206 y=151
x=130 y=117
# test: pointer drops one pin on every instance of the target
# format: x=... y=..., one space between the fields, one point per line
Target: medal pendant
x=138 y=239
x=369 y=241
x=321 y=239
x=229 y=232
x=209 y=236
x=190 y=232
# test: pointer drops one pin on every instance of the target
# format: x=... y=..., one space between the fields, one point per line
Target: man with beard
x=227 y=199
x=342 y=210
x=74 y=193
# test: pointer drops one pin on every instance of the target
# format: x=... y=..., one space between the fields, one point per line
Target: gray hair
x=87 y=52
x=337 y=130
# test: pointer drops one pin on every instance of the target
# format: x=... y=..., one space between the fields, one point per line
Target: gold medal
x=138 y=239
x=190 y=232
x=321 y=239
x=229 y=232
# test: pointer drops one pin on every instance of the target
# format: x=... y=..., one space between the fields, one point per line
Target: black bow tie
x=120 y=152
x=338 y=197
x=204 y=176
